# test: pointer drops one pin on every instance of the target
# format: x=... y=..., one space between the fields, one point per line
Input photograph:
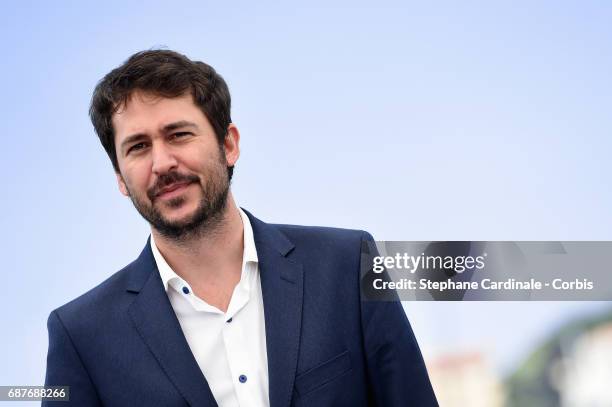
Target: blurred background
x=412 y=120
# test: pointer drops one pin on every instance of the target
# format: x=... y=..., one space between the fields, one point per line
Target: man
x=220 y=308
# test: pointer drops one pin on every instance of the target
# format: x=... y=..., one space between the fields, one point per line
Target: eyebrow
x=177 y=125
x=166 y=129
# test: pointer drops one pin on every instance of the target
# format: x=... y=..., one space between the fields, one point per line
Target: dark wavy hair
x=162 y=73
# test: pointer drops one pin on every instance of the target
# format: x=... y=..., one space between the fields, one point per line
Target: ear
x=231 y=144
x=122 y=186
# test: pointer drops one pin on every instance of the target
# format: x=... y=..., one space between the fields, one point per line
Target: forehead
x=148 y=113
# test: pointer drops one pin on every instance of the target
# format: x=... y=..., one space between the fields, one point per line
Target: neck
x=214 y=254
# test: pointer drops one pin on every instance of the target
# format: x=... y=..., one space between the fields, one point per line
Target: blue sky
x=414 y=121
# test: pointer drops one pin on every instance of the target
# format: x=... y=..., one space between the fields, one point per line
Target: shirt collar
x=249 y=253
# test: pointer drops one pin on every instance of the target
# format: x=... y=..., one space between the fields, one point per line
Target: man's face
x=171 y=164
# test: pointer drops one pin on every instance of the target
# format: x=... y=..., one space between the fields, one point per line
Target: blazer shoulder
x=320 y=231
x=98 y=300
x=338 y=238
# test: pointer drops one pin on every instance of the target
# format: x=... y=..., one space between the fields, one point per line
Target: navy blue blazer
x=120 y=344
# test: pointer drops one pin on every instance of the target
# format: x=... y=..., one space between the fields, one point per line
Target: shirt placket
x=243 y=373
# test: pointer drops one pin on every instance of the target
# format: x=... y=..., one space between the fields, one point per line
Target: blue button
x=242 y=378
x=186 y=290
x=229 y=320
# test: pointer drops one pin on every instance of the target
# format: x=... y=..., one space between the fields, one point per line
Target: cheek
x=135 y=181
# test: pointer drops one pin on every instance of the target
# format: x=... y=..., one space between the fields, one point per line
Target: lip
x=173 y=190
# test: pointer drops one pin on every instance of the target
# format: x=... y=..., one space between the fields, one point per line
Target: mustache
x=168 y=179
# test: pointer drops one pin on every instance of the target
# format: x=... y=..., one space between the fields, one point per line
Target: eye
x=181 y=134
x=136 y=147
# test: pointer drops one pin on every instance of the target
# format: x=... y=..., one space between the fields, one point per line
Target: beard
x=209 y=213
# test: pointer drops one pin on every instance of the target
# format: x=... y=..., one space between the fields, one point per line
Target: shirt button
x=229 y=320
x=186 y=290
x=242 y=378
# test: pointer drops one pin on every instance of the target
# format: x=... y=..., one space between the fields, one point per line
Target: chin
x=182 y=218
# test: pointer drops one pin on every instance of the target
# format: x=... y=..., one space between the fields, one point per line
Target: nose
x=163 y=159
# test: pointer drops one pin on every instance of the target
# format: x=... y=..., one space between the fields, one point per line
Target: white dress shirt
x=230 y=347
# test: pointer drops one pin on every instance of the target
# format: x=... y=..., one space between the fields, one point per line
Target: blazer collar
x=157 y=325
x=269 y=235
x=282 y=290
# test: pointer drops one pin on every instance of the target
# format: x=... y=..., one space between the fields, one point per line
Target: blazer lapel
x=282 y=290
x=156 y=322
